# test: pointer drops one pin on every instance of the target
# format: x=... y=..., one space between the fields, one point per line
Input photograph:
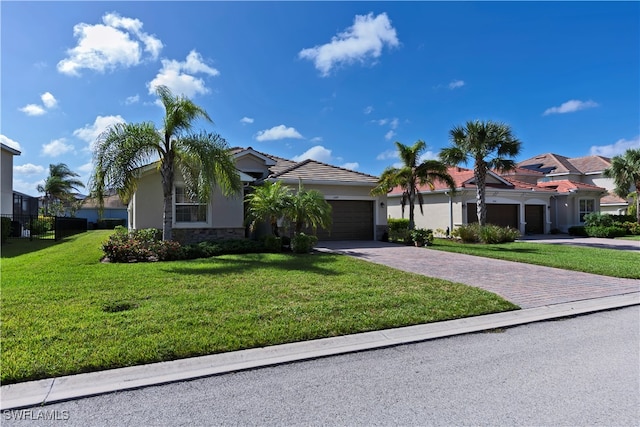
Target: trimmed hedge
x=474 y=233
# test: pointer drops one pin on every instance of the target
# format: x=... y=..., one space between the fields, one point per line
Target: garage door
x=498 y=214
x=352 y=220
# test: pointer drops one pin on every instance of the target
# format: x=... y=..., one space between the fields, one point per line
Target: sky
x=337 y=82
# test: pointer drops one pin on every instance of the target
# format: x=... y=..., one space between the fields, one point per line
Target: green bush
x=596 y=219
x=578 y=230
x=40 y=225
x=140 y=246
x=6 y=229
x=474 y=233
x=422 y=236
x=632 y=227
x=110 y=223
x=221 y=247
x=604 y=231
x=272 y=243
x=303 y=243
x=399 y=230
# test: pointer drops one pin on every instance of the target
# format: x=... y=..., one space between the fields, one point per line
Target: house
x=6 y=159
x=113 y=209
x=582 y=170
x=356 y=214
x=521 y=199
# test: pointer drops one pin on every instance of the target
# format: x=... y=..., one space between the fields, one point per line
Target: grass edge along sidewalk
x=64 y=312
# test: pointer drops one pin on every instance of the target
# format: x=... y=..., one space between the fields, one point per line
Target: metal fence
x=43 y=227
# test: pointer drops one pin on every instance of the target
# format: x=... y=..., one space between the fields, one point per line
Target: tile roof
x=565 y=185
x=313 y=170
x=556 y=164
x=589 y=164
x=612 y=199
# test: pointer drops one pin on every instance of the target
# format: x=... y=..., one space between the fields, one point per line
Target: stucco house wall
x=6 y=178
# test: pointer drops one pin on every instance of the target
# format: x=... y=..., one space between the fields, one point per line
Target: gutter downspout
x=450 y=211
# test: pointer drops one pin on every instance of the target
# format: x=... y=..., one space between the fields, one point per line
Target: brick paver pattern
x=526 y=285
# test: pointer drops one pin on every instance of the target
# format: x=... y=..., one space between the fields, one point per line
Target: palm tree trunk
x=412 y=222
x=638 y=202
x=481 y=206
x=166 y=172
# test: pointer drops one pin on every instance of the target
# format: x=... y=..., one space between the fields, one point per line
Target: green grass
x=637 y=238
x=606 y=262
x=64 y=312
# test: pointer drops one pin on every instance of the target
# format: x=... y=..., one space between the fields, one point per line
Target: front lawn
x=606 y=262
x=64 y=312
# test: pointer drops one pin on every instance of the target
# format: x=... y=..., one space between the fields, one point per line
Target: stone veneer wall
x=187 y=236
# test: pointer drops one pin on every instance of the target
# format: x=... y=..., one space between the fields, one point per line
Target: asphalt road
x=579 y=371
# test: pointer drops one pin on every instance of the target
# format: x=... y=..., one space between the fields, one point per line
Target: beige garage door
x=352 y=220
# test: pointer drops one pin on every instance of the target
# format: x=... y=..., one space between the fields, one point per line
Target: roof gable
x=312 y=170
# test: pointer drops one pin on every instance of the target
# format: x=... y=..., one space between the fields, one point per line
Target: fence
x=42 y=227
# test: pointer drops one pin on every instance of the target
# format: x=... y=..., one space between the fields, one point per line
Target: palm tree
x=268 y=202
x=308 y=208
x=625 y=171
x=202 y=159
x=59 y=185
x=412 y=174
x=489 y=145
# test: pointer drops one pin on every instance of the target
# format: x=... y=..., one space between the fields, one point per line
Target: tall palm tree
x=309 y=208
x=625 y=171
x=59 y=185
x=412 y=174
x=488 y=145
x=203 y=159
x=268 y=202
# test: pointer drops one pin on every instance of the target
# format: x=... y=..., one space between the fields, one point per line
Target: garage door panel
x=352 y=220
x=504 y=215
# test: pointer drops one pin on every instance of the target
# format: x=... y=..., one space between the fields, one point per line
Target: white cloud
x=132 y=100
x=86 y=168
x=56 y=148
x=394 y=123
x=619 y=147
x=456 y=84
x=278 y=132
x=368 y=109
x=570 y=107
x=386 y=155
x=246 y=120
x=318 y=153
x=27 y=187
x=10 y=142
x=28 y=169
x=389 y=135
x=429 y=155
x=178 y=77
x=49 y=100
x=33 y=110
x=316 y=139
x=351 y=166
x=363 y=40
x=118 y=42
x=90 y=132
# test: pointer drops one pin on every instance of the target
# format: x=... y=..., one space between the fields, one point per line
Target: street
x=576 y=371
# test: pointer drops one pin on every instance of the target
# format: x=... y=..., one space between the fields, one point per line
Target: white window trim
x=581 y=212
x=201 y=224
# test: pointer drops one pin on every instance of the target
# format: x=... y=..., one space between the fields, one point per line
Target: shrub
x=221 y=247
x=40 y=225
x=474 y=233
x=604 y=231
x=421 y=236
x=399 y=230
x=110 y=223
x=139 y=246
x=303 y=243
x=632 y=227
x=272 y=243
x=596 y=219
x=578 y=230
x=5 y=232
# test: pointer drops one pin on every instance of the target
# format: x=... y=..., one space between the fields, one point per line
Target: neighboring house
x=585 y=170
x=113 y=209
x=356 y=214
x=6 y=163
x=517 y=200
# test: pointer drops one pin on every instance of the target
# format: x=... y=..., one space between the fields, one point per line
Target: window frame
x=583 y=212
x=177 y=188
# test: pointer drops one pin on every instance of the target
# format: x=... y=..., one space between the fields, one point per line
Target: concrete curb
x=34 y=393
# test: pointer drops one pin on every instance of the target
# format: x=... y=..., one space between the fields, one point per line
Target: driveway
x=526 y=285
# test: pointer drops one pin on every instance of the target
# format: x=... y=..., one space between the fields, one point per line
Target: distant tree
x=488 y=145
x=59 y=188
x=203 y=159
x=625 y=171
x=410 y=175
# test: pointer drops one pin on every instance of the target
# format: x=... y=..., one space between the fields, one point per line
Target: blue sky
x=338 y=82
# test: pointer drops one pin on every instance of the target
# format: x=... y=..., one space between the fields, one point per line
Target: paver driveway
x=526 y=285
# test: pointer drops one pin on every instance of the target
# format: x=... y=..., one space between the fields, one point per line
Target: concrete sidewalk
x=36 y=393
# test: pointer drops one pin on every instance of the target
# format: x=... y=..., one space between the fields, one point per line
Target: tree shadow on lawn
x=16 y=247
x=312 y=263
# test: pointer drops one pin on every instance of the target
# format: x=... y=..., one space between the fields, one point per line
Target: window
x=586 y=207
x=187 y=209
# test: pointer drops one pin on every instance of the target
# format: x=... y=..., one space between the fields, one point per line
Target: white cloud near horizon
x=278 y=132
x=56 y=148
x=179 y=76
x=90 y=132
x=246 y=120
x=117 y=42
x=388 y=154
x=33 y=110
x=322 y=154
x=316 y=139
x=362 y=41
x=10 y=142
x=352 y=166
x=456 y=84
x=570 y=107
x=28 y=169
x=615 y=149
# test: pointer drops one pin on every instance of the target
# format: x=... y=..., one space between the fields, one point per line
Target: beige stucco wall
x=438 y=213
x=7 y=182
